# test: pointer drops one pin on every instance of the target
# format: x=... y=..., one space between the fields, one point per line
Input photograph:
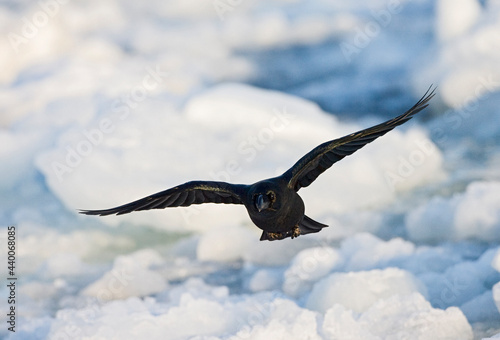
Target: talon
x=271 y=236
x=274 y=236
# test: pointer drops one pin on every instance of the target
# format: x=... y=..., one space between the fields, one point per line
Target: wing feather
x=195 y=192
x=313 y=164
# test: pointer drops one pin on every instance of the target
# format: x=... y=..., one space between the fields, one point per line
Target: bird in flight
x=272 y=204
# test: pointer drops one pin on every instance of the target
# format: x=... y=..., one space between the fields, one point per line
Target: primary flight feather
x=272 y=204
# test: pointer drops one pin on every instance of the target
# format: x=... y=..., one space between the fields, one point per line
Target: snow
x=307 y=267
x=454 y=18
x=467 y=57
x=106 y=102
x=127 y=276
x=225 y=244
x=411 y=312
x=370 y=287
x=474 y=213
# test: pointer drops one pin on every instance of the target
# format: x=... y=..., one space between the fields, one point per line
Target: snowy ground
x=104 y=102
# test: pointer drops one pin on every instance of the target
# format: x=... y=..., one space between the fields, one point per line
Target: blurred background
x=105 y=102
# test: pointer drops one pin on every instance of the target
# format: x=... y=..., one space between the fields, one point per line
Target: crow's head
x=263 y=201
x=266 y=196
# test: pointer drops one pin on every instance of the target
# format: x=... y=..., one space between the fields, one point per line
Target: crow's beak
x=261 y=203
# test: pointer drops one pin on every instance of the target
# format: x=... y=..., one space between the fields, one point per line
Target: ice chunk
x=276 y=253
x=195 y=288
x=481 y=308
x=360 y=290
x=473 y=214
x=495 y=263
x=496 y=294
x=456 y=17
x=193 y=309
x=397 y=317
x=45 y=246
x=225 y=244
x=64 y=264
x=465 y=62
x=342 y=323
x=308 y=266
x=265 y=279
x=131 y=276
x=413 y=317
x=366 y=251
x=285 y=320
x=462 y=282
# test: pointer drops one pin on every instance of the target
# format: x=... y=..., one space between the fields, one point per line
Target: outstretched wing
x=196 y=192
x=309 y=167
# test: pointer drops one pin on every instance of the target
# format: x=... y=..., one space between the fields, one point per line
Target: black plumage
x=272 y=204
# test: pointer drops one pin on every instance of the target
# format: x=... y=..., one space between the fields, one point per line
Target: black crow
x=273 y=204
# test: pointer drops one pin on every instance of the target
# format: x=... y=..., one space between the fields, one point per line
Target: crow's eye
x=271 y=196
